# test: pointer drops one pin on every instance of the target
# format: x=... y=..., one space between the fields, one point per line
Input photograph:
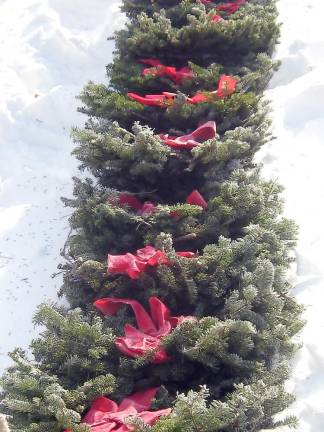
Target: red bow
x=203 y=133
x=226 y=86
x=151 y=327
x=106 y=416
x=167 y=99
x=216 y=18
x=134 y=265
x=158 y=69
x=145 y=209
x=161 y=100
x=230 y=8
x=195 y=198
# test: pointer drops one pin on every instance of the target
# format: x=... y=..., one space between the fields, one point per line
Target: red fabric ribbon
x=166 y=99
x=135 y=265
x=161 y=100
x=230 y=8
x=195 y=198
x=106 y=415
x=216 y=18
x=203 y=133
x=145 y=209
x=226 y=86
x=158 y=69
x=151 y=326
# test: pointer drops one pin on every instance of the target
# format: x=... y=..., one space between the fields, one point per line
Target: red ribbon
x=135 y=265
x=216 y=18
x=166 y=99
x=106 y=415
x=230 y=8
x=158 y=69
x=151 y=326
x=145 y=209
x=195 y=198
x=160 y=100
x=203 y=133
x=226 y=86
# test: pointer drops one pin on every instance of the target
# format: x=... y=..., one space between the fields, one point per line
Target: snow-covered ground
x=49 y=49
x=296 y=159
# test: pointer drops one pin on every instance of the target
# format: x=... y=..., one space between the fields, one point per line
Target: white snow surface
x=296 y=158
x=49 y=50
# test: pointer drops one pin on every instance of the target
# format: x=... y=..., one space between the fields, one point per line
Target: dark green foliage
x=240 y=46
x=251 y=30
x=72 y=347
x=250 y=407
x=254 y=76
x=176 y=9
x=243 y=199
x=229 y=363
x=75 y=360
x=228 y=113
x=162 y=173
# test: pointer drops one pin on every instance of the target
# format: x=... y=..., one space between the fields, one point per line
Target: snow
x=296 y=160
x=49 y=50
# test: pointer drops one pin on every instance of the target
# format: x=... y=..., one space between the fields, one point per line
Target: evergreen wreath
x=179 y=317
